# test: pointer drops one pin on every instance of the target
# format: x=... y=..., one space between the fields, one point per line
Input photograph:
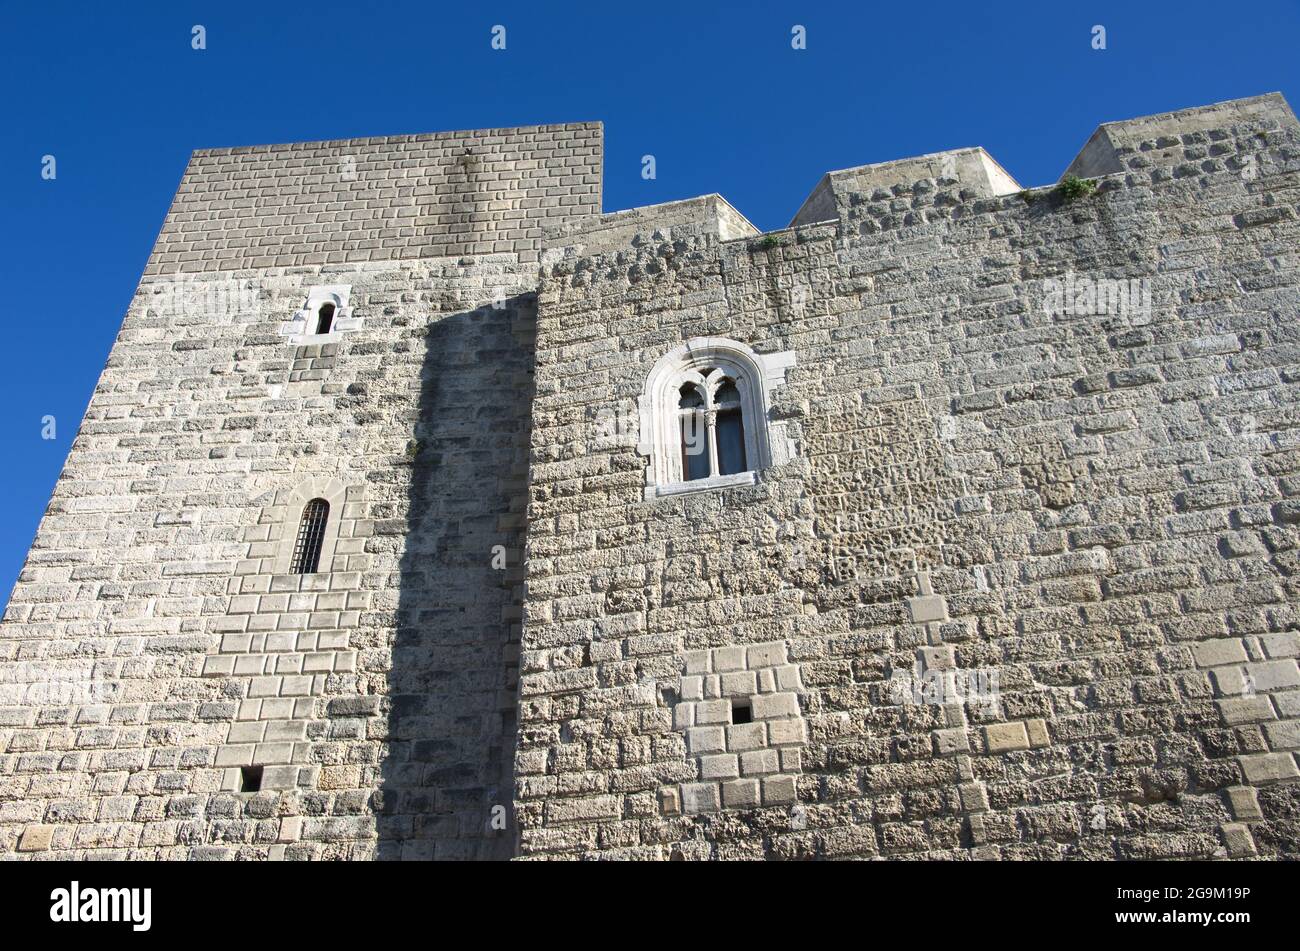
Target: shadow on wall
x=446 y=781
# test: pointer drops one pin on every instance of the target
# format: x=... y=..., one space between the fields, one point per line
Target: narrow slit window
x=742 y=712
x=311 y=535
x=325 y=319
x=250 y=779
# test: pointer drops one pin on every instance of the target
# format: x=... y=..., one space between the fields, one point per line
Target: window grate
x=311 y=535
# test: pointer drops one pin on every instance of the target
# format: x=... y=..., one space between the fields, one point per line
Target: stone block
x=1219 y=652
x=705 y=739
x=927 y=608
x=778 y=790
x=709 y=712
x=759 y=763
x=719 y=766
x=692 y=688
x=1237 y=711
x=1268 y=767
x=1006 y=737
x=670 y=802
x=697 y=662
x=974 y=797
x=727 y=659
x=1244 y=803
x=683 y=716
x=746 y=736
x=36 y=838
x=1275 y=674
x=787 y=678
x=771 y=705
x=700 y=797
x=951 y=741
x=740 y=794
x=1284 y=644
x=766 y=655
x=235 y=755
x=1283 y=735
x=741 y=683
x=1237 y=838
x=784 y=732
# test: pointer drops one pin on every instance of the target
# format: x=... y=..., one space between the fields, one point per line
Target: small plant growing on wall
x=413 y=449
x=1073 y=188
x=767 y=242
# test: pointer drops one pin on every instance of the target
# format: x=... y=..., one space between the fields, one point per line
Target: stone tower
x=160 y=647
x=423 y=510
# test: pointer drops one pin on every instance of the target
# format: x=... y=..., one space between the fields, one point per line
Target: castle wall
x=1087 y=510
x=157 y=643
x=1018 y=582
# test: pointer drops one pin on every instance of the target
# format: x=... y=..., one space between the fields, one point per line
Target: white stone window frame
x=291 y=510
x=300 y=329
x=755 y=376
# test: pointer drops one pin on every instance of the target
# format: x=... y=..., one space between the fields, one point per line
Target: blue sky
x=713 y=90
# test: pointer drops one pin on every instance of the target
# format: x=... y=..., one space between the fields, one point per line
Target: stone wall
x=156 y=643
x=1032 y=563
x=388 y=198
x=1019 y=582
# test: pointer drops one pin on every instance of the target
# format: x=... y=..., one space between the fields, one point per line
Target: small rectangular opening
x=250 y=779
x=741 y=712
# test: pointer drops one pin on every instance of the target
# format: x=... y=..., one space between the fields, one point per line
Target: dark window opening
x=731 y=442
x=311 y=535
x=695 y=436
x=250 y=779
x=741 y=712
x=730 y=431
x=326 y=319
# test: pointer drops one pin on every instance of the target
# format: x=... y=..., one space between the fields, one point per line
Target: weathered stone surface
x=1031 y=554
x=1019 y=582
x=154 y=644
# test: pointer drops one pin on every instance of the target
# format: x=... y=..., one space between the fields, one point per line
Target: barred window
x=311 y=534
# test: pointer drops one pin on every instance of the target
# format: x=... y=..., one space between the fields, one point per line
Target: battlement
x=967 y=174
x=510 y=190
x=973 y=171
x=1106 y=151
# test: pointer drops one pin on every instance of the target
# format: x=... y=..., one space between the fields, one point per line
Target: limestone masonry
x=424 y=511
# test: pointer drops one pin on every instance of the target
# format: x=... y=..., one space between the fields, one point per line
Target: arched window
x=704 y=416
x=311 y=534
x=713 y=426
x=325 y=318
